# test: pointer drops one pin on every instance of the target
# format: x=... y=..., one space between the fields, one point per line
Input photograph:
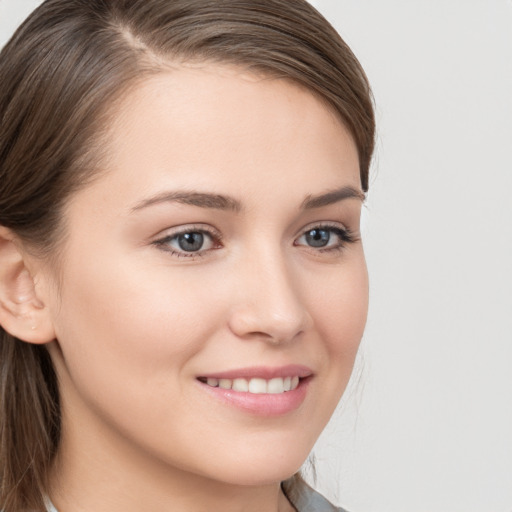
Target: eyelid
x=327 y=225
x=187 y=228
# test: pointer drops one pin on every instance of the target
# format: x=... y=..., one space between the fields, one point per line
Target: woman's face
x=215 y=264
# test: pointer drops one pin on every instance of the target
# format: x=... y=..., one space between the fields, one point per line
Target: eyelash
x=345 y=236
x=164 y=243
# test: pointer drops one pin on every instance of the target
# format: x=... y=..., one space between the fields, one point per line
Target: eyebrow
x=221 y=202
x=203 y=200
x=334 y=196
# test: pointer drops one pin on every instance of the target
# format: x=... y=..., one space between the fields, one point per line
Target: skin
x=137 y=322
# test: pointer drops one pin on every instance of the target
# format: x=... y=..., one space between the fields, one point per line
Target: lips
x=260 y=390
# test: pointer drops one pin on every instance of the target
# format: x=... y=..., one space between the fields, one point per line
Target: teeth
x=240 y=385
x=225 y=383
x=275 y=386
x=257 y=386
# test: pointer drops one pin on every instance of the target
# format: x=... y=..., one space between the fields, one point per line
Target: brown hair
x=62 y=72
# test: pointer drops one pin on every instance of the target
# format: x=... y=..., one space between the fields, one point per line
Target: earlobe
x=22 y=312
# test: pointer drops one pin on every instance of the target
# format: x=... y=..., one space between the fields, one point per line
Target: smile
x=256 y=386
x=262 y=391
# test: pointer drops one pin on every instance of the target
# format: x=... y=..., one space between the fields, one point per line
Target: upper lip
x=262 y=372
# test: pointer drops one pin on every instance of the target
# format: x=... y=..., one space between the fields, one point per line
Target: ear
x=23 y=313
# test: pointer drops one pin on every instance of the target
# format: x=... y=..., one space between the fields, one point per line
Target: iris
x=318 y=237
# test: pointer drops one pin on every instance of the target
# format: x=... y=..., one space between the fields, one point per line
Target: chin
x=256 y=477
x=258 y=469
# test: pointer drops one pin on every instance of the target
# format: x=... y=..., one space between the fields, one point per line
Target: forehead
x=218 y=129
x=216 y=112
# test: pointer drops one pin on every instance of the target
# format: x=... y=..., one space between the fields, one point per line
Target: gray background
x=427 y=425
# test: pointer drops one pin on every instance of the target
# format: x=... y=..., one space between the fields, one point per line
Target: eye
x=190 y=242
x=325 y=238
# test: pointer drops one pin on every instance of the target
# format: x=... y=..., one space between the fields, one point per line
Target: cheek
x=122 y=322
x=128 y=338
x=340 y=314
x=341 y=309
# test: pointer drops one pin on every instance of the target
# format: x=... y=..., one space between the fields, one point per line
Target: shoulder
x=306 y=499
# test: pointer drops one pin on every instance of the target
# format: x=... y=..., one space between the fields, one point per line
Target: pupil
x=191 y=241
x=318 y=237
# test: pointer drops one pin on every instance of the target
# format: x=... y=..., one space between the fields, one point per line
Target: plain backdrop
x=427 y=424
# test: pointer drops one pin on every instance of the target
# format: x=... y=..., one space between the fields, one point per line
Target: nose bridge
x=270 y=303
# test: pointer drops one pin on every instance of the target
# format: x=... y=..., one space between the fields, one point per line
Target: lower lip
x=262 y=404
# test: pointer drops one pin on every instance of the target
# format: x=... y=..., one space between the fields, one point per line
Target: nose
x=269 y=303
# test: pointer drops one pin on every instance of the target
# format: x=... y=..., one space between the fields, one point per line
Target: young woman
x=182 y=281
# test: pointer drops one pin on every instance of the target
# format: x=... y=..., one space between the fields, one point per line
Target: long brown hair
x=62 y=73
